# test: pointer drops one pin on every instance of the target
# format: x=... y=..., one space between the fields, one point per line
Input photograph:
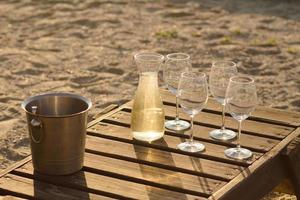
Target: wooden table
x=117 y=167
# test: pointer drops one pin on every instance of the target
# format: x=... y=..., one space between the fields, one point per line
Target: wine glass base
x=191 y=147
x=224 y=135
x=177 y=125
x=238 y=153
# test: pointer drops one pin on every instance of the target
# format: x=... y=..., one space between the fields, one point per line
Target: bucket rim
x=67 y=94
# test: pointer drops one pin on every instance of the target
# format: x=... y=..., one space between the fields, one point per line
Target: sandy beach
x=86 y=47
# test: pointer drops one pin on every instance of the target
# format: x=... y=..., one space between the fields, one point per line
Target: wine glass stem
x=223 y=117
x=239 y=135
x=192 y=129
x=177 y=112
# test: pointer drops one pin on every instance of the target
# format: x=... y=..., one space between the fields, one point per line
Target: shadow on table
x=161 y=176
x=60 y=187
x=196 y=163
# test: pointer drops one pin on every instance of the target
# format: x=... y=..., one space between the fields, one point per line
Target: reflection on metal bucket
x=57 y=128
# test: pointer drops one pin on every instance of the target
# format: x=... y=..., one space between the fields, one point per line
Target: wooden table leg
x=292 y=160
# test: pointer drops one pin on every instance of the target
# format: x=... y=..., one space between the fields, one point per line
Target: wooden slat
x=263 y=114
x=105 y=110
x=214 y=120
x=254 y=143
x=31 y=189
x=15 y=165
x=169 y=143
x=162 y=159
x=149 y=175
x=261 y=171
x=276 y=116
x=103 y=116
x=103 y=184
x=248 y=126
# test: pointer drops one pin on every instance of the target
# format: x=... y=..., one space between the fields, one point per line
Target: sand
x=86 y=47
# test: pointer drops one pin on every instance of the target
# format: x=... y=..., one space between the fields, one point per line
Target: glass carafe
x=148 y=116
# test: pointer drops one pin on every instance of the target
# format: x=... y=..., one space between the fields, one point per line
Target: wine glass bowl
x=220 y=73
x=175 y=64
x=193 y=96
x=241 y=99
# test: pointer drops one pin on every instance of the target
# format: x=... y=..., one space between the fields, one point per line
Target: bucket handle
x=37 y=124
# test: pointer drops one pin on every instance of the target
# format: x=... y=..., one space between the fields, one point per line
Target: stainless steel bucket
x=57 y=129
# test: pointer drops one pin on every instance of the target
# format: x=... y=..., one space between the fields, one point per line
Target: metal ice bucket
x=57 y=129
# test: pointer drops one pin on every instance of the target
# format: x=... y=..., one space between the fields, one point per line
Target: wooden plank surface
x=147 y=174
x=104 y=184
x=32 y=189
x=212 y=120
x=255 y=143
x=169 y=143
x=263 y=114
x=248 y=126
x=163 y=159
x=150 y=175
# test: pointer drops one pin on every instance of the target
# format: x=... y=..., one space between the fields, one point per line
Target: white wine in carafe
x=147 y=117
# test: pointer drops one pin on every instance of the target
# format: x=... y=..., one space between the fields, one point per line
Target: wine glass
x=192 y=95
x=219 y=76
x=175 y=64
x=241 y=99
